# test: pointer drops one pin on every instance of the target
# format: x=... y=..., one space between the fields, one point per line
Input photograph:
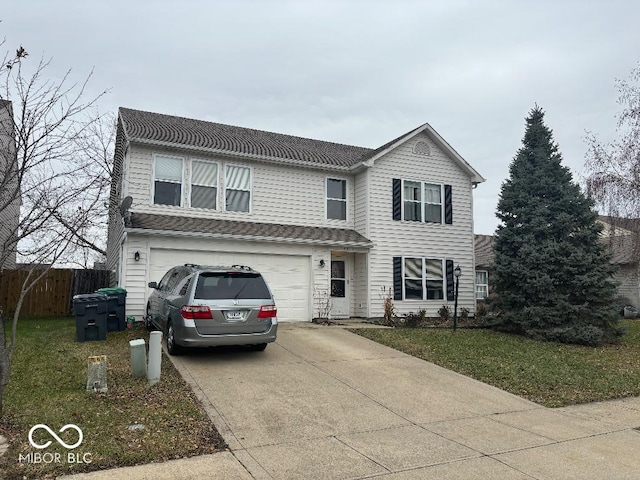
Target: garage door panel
x=287 y=275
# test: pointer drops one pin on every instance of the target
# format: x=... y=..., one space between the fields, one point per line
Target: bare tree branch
x=55 y=168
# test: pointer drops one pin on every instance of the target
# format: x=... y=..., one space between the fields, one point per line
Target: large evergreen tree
x=553 y=275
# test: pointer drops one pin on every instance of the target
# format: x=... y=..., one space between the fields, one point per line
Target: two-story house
x=330 y=226
x=9 y=188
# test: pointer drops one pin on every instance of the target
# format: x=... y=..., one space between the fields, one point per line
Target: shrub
x=389 y=309
x=444 y=312
x=414 y=320
x=577 y=334
x=481 y=310
x=464 y=314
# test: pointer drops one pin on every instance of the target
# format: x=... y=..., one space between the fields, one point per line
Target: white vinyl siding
x=237 y=189
x=279 y=193
x=418 y=239
x=168 y=177
x=204 y=184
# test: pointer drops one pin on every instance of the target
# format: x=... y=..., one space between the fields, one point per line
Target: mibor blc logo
x=55 y=457
x=52 y=433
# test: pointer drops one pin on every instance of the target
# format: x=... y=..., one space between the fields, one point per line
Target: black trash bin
x=90 y=310
x=116 y=308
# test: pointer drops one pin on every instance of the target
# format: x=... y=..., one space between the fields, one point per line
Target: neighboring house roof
x=629 y=224
x=623 y=238
x=174 y=225
x=623 y=248
x=484 y=250
x=170 y=131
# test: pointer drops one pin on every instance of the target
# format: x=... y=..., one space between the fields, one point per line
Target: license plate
x=234 y=315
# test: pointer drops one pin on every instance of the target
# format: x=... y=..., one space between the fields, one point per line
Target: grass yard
x=550 y=374
x=47 y=386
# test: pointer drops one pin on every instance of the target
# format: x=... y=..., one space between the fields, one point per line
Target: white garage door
x=287 y=275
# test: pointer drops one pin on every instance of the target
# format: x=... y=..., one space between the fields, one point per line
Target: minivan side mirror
x=153 y=285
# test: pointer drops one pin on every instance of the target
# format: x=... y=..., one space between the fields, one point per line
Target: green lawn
x=47 y=386
x=550 y=374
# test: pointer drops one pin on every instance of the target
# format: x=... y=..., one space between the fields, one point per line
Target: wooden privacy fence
x=53 y=294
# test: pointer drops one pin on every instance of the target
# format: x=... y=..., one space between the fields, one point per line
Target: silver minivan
x=203 y=306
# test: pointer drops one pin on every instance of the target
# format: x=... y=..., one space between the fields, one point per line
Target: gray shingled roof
x=156 y=128
x=247 y=230
x=624 y=249
x=484 y=250
x=631 y=224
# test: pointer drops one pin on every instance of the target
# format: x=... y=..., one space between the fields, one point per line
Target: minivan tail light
x=267 y=311
x=196 y=312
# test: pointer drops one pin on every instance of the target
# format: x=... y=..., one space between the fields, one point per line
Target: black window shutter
x=397 y=278
x=397 y=199
x=448 y=205
x=450 y=286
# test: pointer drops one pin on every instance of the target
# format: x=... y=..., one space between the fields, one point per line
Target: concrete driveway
x=323 y=403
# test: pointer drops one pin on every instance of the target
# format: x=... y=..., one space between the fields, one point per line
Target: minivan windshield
x=231 y=285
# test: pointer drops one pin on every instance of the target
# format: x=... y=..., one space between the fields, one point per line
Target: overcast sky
x=354 y=72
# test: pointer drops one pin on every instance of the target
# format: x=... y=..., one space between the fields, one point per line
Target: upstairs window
x=237 y=189
x=167 y=185
x=432 y=203
x=416 y=201
x=412 y=201
x=336 y=199
x=204 y=184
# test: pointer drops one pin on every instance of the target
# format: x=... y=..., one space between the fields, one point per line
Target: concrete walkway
x=322 y=403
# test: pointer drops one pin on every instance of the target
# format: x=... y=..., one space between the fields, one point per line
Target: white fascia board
x=365 y=246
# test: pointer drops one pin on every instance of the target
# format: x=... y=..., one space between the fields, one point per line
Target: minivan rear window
x=231 y=285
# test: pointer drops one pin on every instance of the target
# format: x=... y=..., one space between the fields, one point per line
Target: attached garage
x=294 y=260
x=288 y=276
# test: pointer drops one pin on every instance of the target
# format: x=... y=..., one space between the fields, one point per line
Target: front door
x=339 y=289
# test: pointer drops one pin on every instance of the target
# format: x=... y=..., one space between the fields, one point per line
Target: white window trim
x=224 y=193
x=424 y=280
x=345 y=200
x=190 y=182
x=482 y=284
x=423 y=201
x=153 y=181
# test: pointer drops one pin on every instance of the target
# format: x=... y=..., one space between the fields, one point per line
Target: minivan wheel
x=259 y=347
x=172 y=347
x=147 y=321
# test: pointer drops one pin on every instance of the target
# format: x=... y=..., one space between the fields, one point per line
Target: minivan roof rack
x=242 y=267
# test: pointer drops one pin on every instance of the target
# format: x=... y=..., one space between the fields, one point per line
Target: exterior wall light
x=136 y=256
x=321 y=263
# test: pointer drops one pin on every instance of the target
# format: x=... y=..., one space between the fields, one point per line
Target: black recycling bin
x=116 y=308
x=90 y=310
